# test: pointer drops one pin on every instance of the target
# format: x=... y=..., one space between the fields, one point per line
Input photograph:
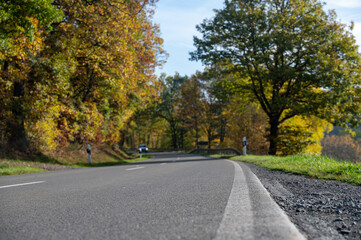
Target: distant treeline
x=340 y=145
x=200 y=108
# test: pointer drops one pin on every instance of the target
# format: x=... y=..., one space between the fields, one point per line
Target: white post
x=244 y=146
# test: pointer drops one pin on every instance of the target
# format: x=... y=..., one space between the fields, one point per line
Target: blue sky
x=178 y=18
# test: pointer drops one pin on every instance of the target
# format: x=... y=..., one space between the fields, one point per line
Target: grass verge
x=314 y=166
x=7 y=169
x=74 y=156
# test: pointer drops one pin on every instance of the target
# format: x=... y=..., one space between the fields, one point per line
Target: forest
x=74 y=71
x=77 y=72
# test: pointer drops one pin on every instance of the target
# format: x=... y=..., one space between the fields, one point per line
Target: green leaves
x=84 y=67
x=299 y=59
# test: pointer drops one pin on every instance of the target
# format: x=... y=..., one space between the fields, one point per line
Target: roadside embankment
x=74 y=156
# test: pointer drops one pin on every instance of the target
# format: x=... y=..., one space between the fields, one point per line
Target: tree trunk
x=222 y=132
x=173 y=129
x=210 y=137
x=18 y=138
x=182 y=139
x=197 y=133
x=123 y=134
x=133 y=140
x=273 y=136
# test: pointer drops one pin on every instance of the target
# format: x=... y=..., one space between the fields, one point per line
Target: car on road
x=143 y=148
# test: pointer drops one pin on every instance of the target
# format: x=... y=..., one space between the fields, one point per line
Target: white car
x=143 y=148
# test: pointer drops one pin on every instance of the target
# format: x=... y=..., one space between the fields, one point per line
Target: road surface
x=171 y=196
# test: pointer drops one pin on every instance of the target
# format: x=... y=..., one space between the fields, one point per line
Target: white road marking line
x=163 y=163
x=244 y=220
x=136 y=168
x=21 y=184
x=237 y=220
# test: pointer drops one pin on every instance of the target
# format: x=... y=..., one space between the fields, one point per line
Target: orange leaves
x=115 y=52
x=86 y=78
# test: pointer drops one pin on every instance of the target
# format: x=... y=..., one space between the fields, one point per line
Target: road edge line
x=281 y=223
x=237 y=221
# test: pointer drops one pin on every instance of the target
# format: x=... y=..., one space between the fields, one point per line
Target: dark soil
x=320 y=209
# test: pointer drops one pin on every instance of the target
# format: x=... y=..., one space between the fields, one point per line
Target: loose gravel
x=320 y=209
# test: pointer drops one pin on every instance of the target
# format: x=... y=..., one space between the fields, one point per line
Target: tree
x=214 y=101
x=191 y=107
x=23 y=27
x=302 y=134
x=114 y=48
x=295 y=58
x=211 y=122
x=145 y=127
x=167 y=108
x=342 y=148
x=75 y=70
x=246 y=119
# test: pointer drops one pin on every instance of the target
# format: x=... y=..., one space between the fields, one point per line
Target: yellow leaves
x=307 y=131
x=96 y=70
x=24 y=43
x=44 y=132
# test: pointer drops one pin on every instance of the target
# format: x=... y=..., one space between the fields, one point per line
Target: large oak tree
x=295 y=58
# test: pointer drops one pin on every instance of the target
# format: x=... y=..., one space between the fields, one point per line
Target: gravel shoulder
x=320 y=209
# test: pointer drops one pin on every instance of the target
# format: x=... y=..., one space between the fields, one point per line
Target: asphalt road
x=171 y=196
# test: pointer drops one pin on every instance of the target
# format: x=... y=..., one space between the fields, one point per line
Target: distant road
x=171 y=196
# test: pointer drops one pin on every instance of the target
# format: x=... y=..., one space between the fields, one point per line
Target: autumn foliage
x=295 y=59
x=342 y=147
x=75 y=70
x=208 y=109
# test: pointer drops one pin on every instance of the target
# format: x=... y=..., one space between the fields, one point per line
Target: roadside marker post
x=244 y=146
x=88 y=150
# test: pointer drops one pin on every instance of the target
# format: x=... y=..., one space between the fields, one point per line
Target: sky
x=178 y=18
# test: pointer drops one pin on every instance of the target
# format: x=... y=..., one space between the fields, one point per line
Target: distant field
x=314 y=166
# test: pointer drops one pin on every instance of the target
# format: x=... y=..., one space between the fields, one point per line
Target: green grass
x=101 y=158
x=7 y=169
x=314 y=166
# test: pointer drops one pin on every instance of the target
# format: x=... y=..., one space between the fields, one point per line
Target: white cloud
x=357 y=33
x=347 y=11
x=344 y=3
x=178 y=20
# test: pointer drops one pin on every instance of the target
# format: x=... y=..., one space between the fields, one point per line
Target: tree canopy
x=75 y=70
x=23 y=28
x=294 y=57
